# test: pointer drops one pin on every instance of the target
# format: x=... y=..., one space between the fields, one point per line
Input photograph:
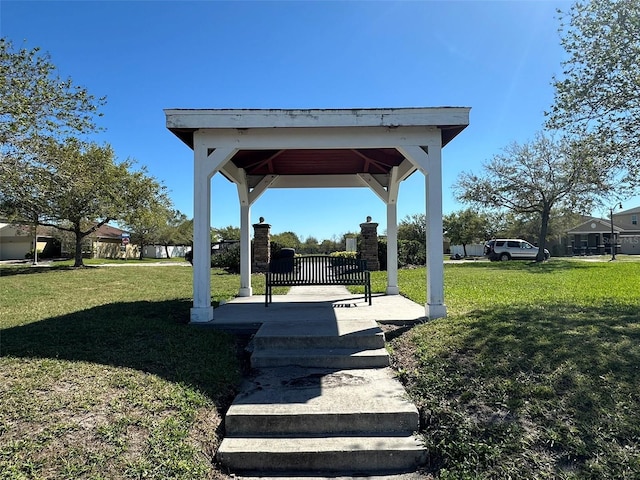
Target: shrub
x=228 y=259
x=344 y=254
x=411 y=252
x=382 y=253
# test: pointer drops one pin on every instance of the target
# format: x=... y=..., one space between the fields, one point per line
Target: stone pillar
x=369 y=247
x=261 y=247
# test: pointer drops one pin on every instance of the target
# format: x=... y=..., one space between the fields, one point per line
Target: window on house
x=634 y=219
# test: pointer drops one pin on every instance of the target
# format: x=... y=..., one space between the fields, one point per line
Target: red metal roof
x=317 y=162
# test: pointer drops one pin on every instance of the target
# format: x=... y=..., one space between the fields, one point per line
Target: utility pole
x=612 y=240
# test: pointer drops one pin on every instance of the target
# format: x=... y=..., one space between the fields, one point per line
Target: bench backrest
x=318 y=270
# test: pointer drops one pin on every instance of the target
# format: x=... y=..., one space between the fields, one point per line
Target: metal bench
x=316 y=270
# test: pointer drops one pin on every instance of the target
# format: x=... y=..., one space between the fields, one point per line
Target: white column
x=202 y=311
x=392 y=249
x=205 y=166
x=435 y=307
x=245 y=252
x=392 y=231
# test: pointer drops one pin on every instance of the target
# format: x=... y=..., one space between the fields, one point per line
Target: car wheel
x=547 y=256
x=504 y=257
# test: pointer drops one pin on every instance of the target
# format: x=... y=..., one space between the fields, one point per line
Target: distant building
x=16 y=242
x=593 y=236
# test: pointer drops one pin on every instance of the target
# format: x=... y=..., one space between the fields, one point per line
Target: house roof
x=594 y=225
x=108 y=231
x=627 y=212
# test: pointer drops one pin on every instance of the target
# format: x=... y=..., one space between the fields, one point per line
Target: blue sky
x=497 y=57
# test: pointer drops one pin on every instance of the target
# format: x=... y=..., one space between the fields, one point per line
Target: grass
x=102 y=378
x=534 y=374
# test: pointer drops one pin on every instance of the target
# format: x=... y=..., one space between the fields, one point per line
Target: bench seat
x=316 y=270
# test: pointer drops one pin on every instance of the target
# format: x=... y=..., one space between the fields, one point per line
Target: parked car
x=512 y=249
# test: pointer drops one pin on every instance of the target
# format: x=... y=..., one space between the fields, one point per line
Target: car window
x=526 y=245
x=513 y=244
x=500 y=244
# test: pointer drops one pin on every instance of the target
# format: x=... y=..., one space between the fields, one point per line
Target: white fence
x=473 y=250
x=159 y=251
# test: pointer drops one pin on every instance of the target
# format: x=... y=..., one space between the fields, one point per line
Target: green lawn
x=102 y=378
x=534 y=374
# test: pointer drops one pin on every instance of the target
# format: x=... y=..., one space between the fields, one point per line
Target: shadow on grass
x=32 y=269
x=556 y=384
x=148 y=336
x=599 y=339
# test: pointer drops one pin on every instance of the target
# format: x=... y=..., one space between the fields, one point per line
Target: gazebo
x=275 y=148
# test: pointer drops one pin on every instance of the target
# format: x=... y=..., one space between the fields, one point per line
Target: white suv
x=511 y=249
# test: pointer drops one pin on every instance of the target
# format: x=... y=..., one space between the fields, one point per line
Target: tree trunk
x=78 y=255
x=35 y=243
x=464 y=249
x=544 y=226
x=166 y=249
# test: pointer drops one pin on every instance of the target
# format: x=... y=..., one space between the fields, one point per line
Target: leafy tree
x=413 y=228
x=331 y=245
x=310 y=245
x=467 y=226
x=535 y=178
x=177 y=230
x=86 y=188
x=37 y=105
x=227 y=233
x=412 y=240
x=26 y=189
x=599 y=90
x=286 y=240
x=411 y=252
x=149 y=218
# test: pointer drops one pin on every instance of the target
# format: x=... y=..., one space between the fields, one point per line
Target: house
x=106 y=242
x=16 y=242
x=594 y=235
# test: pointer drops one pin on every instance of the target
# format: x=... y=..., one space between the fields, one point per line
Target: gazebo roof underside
x=318 y=162
x=375 y=161
x=258 y=163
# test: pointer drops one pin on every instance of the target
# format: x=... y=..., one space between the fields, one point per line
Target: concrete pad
x=311 y=303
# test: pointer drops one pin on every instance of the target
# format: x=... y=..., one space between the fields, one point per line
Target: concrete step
x=319 y=333
x=360 y=341
x=313 y=401
x=338 y=358
x=365 y=454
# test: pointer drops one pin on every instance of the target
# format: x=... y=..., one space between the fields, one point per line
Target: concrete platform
x=247 y=314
